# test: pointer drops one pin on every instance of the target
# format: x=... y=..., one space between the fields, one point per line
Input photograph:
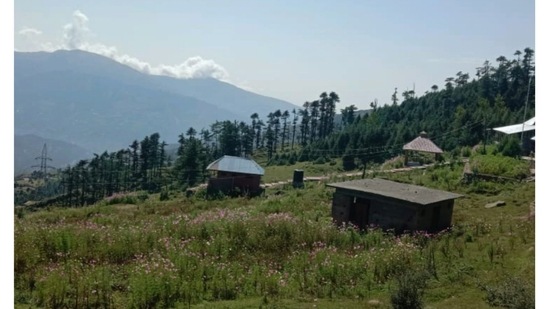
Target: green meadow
x=278 y=250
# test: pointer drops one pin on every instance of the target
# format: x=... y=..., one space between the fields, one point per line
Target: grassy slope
x=277 y=173
x=264 y=246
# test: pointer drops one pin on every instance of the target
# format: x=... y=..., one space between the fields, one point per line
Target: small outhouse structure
x=391 y=205
x=421 y=144
x=235 y=174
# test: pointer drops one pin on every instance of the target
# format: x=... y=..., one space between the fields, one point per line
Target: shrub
x=510 y=146
x=466 y=151
x=293 y=159
x=121 y=198
x=455 y=153
x=409 y=292
x=164 y=195
x=348 y=162
x=320 y=160
x=143 y=196
x=20 y=212
x=513 y=292
x=304 y=156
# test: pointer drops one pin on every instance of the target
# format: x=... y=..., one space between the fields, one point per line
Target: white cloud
x=29 y=32
x=31 y=41
x=49 y=47
x=76 y=34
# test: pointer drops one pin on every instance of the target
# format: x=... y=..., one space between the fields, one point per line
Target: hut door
x=360 y=211
x=435 y=219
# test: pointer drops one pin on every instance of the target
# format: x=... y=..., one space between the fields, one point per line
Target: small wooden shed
x=235 y=174
x=391 y=205
x=421 y=144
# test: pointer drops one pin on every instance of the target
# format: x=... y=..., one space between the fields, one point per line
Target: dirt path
x=341 y=175
x=346 y=175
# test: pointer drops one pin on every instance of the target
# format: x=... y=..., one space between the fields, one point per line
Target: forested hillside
x=456 y=114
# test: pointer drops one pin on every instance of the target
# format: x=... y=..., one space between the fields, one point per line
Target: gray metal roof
x=396 y=190
x=236 y=165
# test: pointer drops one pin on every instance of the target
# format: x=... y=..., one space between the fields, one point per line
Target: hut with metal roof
x=421 y=144
x=527 y=132
x=235 y=174
x=391 y=205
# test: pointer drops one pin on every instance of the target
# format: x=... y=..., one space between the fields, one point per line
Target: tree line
x=459 y=114
x=144 y=165
x=456 y=115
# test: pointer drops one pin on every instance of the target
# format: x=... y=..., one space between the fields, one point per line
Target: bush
x=348 y=162
x=409 y=292
x=455 y=153
x=513 y=292
x=304 y=156
x=143 y=196
x=121 y=198
x=466 y=151
x=164 y=195
x=293 y=159
x=510 y=146
x=320 y=160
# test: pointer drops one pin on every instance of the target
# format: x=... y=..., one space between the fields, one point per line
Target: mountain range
x=95 y=103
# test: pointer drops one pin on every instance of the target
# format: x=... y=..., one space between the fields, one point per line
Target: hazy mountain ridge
x=99 y=104
x=29 y=147
x=103 y=120
x=213 y=91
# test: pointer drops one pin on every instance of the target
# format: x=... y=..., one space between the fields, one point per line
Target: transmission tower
x=44 y=162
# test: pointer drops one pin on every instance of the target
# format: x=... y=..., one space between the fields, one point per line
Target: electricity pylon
x=44 y=162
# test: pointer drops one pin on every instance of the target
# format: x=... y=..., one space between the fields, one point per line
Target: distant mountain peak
x=100 y=104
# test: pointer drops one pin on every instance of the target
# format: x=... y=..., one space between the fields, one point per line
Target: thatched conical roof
x=422 y=144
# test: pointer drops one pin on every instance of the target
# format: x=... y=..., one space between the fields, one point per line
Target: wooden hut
x=235 y=174
x=391 y=205
x=421 y=144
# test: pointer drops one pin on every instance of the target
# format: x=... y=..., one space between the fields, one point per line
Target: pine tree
x=333 y=99
x=314 y=120
x=294 y=126
x=135 y=161
x=270 y=143
x=285 y=129
x=304 y=126
x=188 y=165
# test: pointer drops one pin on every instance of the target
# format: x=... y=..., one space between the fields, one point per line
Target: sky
x=290 y=50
